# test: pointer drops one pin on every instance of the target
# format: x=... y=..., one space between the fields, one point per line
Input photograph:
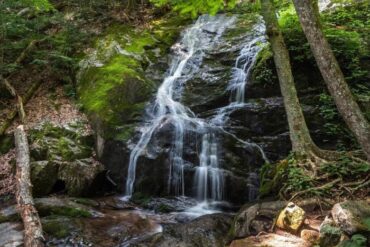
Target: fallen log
x=33 y=236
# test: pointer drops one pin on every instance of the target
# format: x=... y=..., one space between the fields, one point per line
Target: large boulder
x=205 y=231
x=62 y=160
x=352 y=216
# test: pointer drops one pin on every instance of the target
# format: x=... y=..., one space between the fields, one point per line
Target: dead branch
x=11 y=116
x=33 y=236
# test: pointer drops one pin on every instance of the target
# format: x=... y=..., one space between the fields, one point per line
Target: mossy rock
x=62 y=207
x=113 y=86
x=6 y=143
x=352 y=216
x=62 y=153
x=79 y=175
x=57 y=227
x=43 y=177
x=54 y=143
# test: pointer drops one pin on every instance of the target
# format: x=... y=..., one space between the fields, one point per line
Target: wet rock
x=166 y=205
x=291 y=217
x=352 y=216
x=205 y=231
x=330 y=234
x=11 y=234
x=254 y=217
x=64 y=207
x=271 y=240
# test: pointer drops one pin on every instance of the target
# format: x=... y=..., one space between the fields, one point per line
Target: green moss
x=6 y=143
x=140 y=198
x=164 y=208
x=56 y=227
x=73 y=212
x=115 y=90
x=264 y=69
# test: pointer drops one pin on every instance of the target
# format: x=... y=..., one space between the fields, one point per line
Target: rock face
x=291 y=218
x=352 y=216
x=61 y=160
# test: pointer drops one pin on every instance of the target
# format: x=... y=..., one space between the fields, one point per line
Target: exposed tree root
x=312 y=163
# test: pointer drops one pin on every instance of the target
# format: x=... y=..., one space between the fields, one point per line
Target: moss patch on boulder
x=113 y=86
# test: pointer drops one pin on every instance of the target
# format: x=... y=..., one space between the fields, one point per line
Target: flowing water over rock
x=189 y=53
x=168 y=109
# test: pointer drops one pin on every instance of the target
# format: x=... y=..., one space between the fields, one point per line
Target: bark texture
x=33 y=236
x=348 y=108
x=299 y=133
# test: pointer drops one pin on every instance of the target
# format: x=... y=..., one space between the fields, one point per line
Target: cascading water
x=189 y=53
x=240 y=74
x=208 y=175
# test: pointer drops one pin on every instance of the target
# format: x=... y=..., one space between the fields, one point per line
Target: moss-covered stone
x=43 y=177
x=59 y=227
x=113 y=86
x=61 y=207
x=62 y=153
x=6 y=143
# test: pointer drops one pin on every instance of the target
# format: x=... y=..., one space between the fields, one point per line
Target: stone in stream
x=11 y=234
x=206 y=231
x=352 y=216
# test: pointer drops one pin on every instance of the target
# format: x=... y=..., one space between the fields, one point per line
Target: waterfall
x=208 y=175
x=188 y=56
x=208 y=168
x=240 y=74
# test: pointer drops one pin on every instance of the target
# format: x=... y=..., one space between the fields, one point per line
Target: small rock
x=291 y=217
x=330 y=234
x=352 y=216
x=310 y=235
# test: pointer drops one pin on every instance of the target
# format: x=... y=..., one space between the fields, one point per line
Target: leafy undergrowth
x=293 y=178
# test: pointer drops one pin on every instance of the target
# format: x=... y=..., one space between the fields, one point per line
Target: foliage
x=194 y=7
x=294 y=175
x=345 y=168
x=345 y=29
x=356 y=240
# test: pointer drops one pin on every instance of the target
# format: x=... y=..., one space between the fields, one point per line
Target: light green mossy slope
x=113 y=86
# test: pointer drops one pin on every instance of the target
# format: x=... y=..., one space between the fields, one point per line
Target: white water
x=209 y=177
x=203 y=35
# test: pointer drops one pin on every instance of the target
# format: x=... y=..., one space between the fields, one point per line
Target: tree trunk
x=302 y=143
x=308 y=14
x=32 y=226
